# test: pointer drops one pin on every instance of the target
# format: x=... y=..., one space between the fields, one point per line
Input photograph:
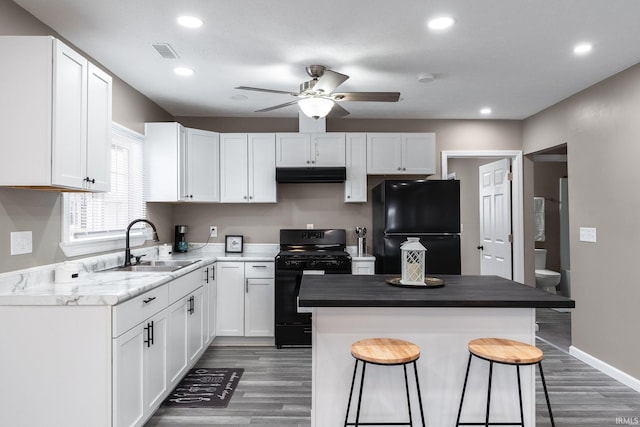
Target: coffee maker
x=180 y=243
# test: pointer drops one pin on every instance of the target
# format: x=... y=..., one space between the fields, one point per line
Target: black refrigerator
x=428 y=209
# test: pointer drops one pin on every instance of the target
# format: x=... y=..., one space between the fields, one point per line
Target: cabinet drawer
x=258 y=270
x=136 y=310
x=184 y=285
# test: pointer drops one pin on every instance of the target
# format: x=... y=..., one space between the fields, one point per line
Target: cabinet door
x=202 y=166
x=384 y=153
x=162 y=167
x=233 y=168
x=69 y=147
x=177 y=360
x=262 y=168
x=419 y=153
x=259 y=308
x=195 y=324
x=128 y=384
x=293 y=149
x=155 y=361
x=355 y=186
x=230 y=309
x=212 y=299
x=328 y=149
x=98 y=130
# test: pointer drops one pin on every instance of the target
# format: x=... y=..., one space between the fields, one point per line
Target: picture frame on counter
x=233 y=243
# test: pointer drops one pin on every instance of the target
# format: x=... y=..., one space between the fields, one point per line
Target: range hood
x=318 y=174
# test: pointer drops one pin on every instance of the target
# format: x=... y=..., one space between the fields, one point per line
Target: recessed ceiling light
x=441 y=23
x=190 y=21
x=485 y=111
x=183 y=71
x=582 y=48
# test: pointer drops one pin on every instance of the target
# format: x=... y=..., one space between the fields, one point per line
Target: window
x=96 y=222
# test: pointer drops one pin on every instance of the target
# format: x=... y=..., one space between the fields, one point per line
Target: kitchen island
x=441 y=321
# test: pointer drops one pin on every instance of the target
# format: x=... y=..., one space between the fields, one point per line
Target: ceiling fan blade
x=286 y=104
x=257 y=89
x=366 y=96
x=337 y=111
x=329 y=81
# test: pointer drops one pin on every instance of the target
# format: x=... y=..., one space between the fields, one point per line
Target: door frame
x=517 y=199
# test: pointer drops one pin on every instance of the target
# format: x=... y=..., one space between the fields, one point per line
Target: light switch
x=587 y=234
x=21 y=242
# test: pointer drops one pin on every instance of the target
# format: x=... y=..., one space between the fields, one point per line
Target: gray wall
x=600 y=126
x=39 y=211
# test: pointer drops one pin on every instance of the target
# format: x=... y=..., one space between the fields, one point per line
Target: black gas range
x=320 y=251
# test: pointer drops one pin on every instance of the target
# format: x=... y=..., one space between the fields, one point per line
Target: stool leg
x=464 y=388
x=406 y=387
x=415 y=370
x=486 y=421
x=546 y=394
x=353 y=380
x=520 y=396
x=364 y=366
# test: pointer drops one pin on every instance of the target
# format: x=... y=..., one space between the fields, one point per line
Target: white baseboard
x=605 y=368
x=242 y=341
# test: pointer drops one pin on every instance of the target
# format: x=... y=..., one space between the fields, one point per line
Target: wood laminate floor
x=275 y=390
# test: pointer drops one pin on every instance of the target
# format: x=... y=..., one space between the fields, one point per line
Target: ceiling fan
x=316 y=97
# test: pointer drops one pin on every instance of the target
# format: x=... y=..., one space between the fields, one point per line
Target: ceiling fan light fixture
x=315 y=107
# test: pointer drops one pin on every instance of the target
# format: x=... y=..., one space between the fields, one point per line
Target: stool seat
x=505 y=351
x=385 y=351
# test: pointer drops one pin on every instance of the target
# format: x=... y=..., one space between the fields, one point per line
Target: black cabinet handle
x=147 y=329
x=93 y=181
x=191 y=308
x=206 y=275
x=481 y=247
x=213 y=272
x=148 y=300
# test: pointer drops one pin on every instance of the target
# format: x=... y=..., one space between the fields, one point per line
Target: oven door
x=286 y=298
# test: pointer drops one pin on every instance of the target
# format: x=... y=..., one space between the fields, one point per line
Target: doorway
x=517 y=216
x=550 y=190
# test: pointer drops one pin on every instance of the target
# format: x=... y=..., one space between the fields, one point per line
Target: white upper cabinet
x=401 y=153
x=181 y=164
x=248 y=168
x=355 y=186
x=200 y=166
x=55 y=113
x=310 y=149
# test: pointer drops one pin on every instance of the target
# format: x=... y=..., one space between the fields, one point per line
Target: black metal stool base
x=406 y=384
x=486 y=422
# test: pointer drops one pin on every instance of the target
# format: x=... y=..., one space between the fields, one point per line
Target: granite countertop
x=342 y=290
x=96 y=285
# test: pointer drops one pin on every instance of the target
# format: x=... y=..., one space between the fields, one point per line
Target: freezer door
x=442 y=257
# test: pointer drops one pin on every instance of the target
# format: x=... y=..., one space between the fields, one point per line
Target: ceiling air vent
x=165 y=50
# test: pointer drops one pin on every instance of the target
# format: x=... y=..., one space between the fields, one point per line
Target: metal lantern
x=413 y=261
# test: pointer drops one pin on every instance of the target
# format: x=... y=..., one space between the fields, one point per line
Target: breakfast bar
x=441 y=320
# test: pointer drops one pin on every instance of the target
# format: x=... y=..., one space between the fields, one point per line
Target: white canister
x=164 y=251
x=66 y=272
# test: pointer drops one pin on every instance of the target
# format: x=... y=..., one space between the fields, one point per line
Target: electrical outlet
x=213 y=231
x=21 y=242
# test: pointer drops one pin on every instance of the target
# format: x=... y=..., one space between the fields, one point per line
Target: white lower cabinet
x=363 y=267
x=140 y=370
x=245 y=299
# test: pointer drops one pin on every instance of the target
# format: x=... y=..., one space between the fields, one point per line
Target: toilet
x=546 y=280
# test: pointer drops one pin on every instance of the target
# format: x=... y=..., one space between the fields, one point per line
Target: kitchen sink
x=157 y=266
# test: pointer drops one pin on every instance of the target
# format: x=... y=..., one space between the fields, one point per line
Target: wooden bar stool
x=506 y=352
x=388 y=352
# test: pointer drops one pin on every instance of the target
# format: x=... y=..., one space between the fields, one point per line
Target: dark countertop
x=345 y=290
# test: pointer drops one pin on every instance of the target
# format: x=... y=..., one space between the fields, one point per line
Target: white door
x=259 y=308
x=262 y=168
x=495 y=219
x=233 y=168
x=155 y=361
x=128 y=383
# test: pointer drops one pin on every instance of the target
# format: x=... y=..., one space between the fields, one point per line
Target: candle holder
x=413 y=260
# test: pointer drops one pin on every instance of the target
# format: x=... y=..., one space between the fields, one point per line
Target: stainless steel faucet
x=127 y=250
